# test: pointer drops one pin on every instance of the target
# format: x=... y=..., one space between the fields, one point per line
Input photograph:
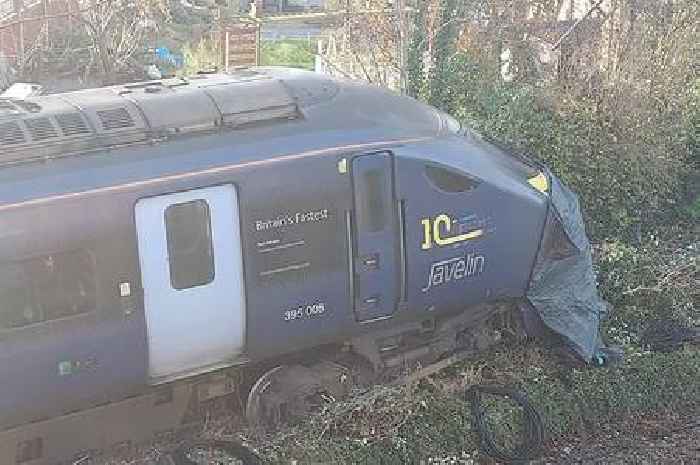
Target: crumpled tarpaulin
x=563 y=290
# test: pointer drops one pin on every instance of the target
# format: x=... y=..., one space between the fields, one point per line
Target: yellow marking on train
x=540 y=182
x=433 y=233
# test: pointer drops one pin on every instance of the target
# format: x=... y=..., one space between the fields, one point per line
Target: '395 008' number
x=305 y=311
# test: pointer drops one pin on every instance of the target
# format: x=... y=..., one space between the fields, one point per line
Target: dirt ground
x=660 y=439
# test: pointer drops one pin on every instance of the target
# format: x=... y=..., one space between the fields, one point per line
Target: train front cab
x=447 y=238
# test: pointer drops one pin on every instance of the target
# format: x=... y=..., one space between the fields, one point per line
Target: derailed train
x=159 y=235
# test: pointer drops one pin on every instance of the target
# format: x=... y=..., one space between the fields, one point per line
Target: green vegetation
x=294 y=53
x=201 y=56
x=626 y=146
x=407 y=425
x=625 y=176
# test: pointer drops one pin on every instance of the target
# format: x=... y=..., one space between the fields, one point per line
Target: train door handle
x=371 y=262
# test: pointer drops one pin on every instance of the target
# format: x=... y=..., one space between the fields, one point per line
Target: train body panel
x=499 y=218
x=367 y=212
x=63 y=338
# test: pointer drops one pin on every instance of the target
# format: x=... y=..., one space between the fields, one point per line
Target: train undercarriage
x=268 y=396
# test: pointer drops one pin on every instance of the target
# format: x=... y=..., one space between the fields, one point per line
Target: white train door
x=192 y=272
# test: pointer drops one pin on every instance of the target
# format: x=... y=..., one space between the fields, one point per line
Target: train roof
x=238 y=104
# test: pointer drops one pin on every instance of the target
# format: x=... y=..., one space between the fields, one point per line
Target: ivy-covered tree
x=118 y=30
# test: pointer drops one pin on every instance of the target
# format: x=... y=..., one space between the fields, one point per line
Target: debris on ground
x=662 y=439
x=669 y=335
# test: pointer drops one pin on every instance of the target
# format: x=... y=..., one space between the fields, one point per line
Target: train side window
x=190 y=247
x=448 y=180
x=47 y=288
x=375 y=209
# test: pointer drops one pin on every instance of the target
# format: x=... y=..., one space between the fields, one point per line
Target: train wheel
x=215 y=452
x=286 y=394
x=511 y=325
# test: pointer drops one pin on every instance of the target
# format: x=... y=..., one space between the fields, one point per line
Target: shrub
x=651 y=281
x=622 y=132
x=623 y=186
x=297 y=53
x=202 y=56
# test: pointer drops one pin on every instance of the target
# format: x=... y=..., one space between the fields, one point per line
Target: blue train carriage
x=159 y=237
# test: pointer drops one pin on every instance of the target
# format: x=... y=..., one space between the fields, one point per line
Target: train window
x=449 y=181
x=190 y=246
x=375 y=210
x=47 y=288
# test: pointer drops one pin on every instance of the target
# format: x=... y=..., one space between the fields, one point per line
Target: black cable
x=532 y=435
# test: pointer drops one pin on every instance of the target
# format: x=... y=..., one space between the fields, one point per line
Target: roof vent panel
x=41 y=128
x=72 y=124
x=114 y=119
x=109 y=114
x=252 y=102
x=11 y=134
x=178 y=110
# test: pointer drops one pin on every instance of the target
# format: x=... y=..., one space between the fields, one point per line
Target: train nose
x=563 y=289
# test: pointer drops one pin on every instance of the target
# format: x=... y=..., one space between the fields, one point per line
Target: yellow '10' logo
x=439 y=231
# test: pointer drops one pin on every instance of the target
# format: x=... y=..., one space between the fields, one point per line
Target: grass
x=431 y=420
x=294 y=53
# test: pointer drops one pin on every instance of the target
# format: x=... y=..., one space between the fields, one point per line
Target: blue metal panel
x=81 y=364
x=295 y=255
x=74 y=363
x=486 y=249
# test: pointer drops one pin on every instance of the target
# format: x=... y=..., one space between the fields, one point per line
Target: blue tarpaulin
x=563 y=290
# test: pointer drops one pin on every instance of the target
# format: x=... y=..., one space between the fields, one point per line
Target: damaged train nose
x=562 y=295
